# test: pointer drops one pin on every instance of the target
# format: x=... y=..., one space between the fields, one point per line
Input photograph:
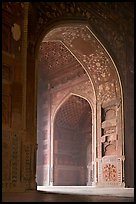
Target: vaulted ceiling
x=57 y=63
x=74 y=113
x=63 y=54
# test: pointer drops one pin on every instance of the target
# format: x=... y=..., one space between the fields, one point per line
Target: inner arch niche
x=72 y=142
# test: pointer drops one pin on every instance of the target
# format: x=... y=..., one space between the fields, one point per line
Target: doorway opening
x=74 y=63
x=72 y=143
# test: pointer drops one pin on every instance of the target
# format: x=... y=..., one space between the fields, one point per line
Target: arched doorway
x=88 y=65
x=72 y=143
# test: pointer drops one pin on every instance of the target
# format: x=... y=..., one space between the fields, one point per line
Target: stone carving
x=109 y=135
x=110 y=149
x=109 y=173
x=27 y=160
x=109 y=130
x=28 y=167
x=14 y=160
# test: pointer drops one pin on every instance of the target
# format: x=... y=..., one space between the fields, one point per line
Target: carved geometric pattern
x=27 y=159
x=71 y=111
x=109 y=173
x=14 y=159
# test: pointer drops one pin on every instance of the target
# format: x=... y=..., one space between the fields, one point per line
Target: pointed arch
x=55 y=140
x=107 y=89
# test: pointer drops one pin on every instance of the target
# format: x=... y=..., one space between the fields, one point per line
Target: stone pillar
x=29 y=144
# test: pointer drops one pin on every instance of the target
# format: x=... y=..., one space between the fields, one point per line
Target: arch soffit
x=93 y=57
x=63 y=101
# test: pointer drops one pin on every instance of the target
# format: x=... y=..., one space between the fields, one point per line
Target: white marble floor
x=88 y=190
